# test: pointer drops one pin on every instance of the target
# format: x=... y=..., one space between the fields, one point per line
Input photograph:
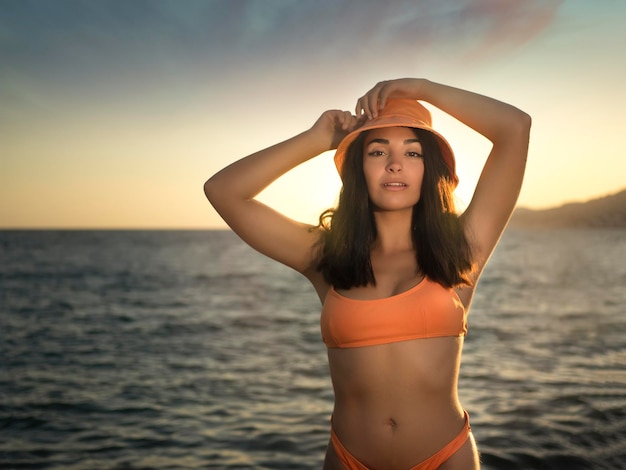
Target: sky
x=113 y=113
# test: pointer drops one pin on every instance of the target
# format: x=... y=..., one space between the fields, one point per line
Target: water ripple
x=137 y=350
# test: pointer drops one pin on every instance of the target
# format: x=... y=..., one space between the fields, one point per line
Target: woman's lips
x=394 y=185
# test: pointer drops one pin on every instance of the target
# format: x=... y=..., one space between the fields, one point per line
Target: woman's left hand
x=374 y=100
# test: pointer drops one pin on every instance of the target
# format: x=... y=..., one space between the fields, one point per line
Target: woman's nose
x=394 y=164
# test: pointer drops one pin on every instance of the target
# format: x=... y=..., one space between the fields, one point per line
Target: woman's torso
x=395 y=388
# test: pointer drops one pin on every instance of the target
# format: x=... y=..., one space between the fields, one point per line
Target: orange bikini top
x=427 y=310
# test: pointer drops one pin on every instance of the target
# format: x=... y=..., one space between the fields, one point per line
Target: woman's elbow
x=527 y=121
x=523 y=122
x=211 y=189
x=221 y=191
x=518 y=127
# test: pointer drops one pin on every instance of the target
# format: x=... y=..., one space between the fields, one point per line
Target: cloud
x=349 y=28
x=74 y=44
x=499 y=26
x=32 y=29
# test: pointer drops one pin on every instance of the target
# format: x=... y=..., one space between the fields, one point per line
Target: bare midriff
x=396 y=404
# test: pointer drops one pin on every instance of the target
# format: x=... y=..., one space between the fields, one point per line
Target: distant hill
x=609 y=211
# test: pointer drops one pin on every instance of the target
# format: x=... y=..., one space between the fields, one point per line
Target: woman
x=394 y=266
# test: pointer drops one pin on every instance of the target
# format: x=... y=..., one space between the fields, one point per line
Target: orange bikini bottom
x=350 y=462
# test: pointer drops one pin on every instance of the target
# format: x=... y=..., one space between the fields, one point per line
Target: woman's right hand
x=333 y=125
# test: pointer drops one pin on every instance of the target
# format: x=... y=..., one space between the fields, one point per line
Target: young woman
x=393 y=265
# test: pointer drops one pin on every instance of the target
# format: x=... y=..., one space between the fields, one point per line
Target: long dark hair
x=442 y=250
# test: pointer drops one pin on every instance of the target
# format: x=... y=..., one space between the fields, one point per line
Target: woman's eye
x=376 y=153
x=414 y=154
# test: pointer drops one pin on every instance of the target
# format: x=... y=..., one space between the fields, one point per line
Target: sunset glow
x=131 y=111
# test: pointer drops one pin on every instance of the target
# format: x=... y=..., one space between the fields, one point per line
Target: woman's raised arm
x=507 y=127
x=232 y=190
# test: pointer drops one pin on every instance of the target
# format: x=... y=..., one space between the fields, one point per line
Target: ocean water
x=173 y=349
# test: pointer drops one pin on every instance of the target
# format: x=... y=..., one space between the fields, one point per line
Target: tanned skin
x=395 y=404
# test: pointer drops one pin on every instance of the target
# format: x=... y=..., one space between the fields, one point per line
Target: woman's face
x=393 y=167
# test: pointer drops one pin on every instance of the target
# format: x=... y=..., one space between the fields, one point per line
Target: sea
x=128 y=350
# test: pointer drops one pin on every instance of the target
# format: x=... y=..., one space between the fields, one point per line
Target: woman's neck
x=393 y=231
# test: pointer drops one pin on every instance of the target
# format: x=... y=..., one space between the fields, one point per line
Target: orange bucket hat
x=400 y=113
